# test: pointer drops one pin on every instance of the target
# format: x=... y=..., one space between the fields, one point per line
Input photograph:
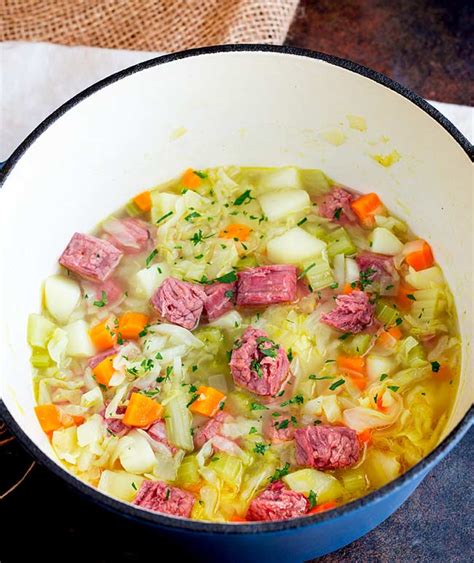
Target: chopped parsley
x=313 y=499
x=398 y=321
x=242 y=198
x=306 y=270
x=147 y=365
x=344 y=336
x=158 y=356
x=132 y=371
x=194 y=398
x=435 y=367
x=258 y=407
x=201 y=175
x=383 y=376
x=199 y=237
x=279 y=473
x=150 y=257
x=256 y=367
x=337 y=213
x=194 y=368
x=165 y=216
x=289 y=355
x=390 y=286
x=270 y=351
x=253 y=430
x=282 y=425
x=366 y=277
x=296 y=400
x=193 y=215
x=411 y=296
x=334 y=285
x=199 y=256
x=337 y=384
x=227 y=278
x=320 y=377
x=229 y=294
x=393 y=388
x=169 y=371
x=260 y=448
x=144 y=332
x=302 y=222
x=103 y=302
x=168 y=492
x=134 y=486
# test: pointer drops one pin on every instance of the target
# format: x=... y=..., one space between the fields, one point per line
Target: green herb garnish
x=163 y=217
x=243 y=197
x=103 y=302
x=337 y=384
x=260 y=448
x=312 y=497
x=150 y=257
x=306 y=270
x=279 y=473
x=435 y=367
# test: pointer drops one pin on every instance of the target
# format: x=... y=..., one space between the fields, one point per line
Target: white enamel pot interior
x=247 y=105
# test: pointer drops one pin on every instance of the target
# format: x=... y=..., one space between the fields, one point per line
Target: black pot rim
x=149 y=517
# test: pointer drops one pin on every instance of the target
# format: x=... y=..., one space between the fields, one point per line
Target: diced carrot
x=421 y=259
x=49 y=417
x=444 y=372
x=323 y=507
x=104 y=335
x=347 y=289
x=403 y=302
x=236 y=518
x=380 y=406
x=190 y=179
x=208 y=401
x=353 y=365
x=104 y=371
x=78 y=419
x=365 y=437
x=360 y=382
x=130 y=325
x=365 y=207
x=236 y=231
x=142 y=411
x=143 y=201
x=388 y=338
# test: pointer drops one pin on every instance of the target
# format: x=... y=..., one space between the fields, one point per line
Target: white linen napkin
x=36 y=78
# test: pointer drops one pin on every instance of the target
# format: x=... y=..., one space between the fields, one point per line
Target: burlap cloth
x=149 y=25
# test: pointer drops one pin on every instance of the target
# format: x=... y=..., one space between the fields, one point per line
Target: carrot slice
x=143 y=201
x=142 y=411
x=323 y=507
x=421 y=259
x=353 y=365
x=347 y=289
x=190 y=179
x=208 y=401
x=444 y=372
x=130 y=325
x=104 y=370
x=380 y=406
x=49 y=417
x=365 y=437
x=365 y=207
x=104 y=335
x=236 y=231
x=403 y=302
x=360 y=382
x=388 y=338
x=236 y=518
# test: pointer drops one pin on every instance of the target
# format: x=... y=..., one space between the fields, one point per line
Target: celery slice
x=357 y=344
x=249 y=261
x=318 y=272
x=386 y=313
x=40 y=358
x=316 y=230
x=339 y=242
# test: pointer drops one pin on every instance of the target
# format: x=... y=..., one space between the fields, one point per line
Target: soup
x=245 y=344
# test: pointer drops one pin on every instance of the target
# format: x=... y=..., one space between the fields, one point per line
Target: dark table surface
x=424 y=45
